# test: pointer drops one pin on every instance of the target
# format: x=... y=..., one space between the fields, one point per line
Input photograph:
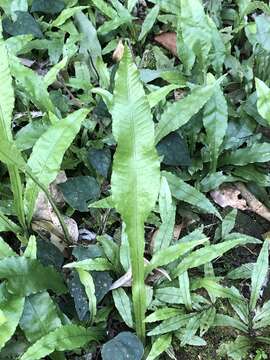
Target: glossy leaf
x=123 y=346
x=47 y=6
x=65 y=338
x=24 y=24
x=158 y=95
x=259 y=274
x=39 y=316
x=123 y=305
x=27 y=276
x=47 y=155
x=134 y=196
x=163 y=314
x=171 y=325
x=180 y=112
x=159 y=346
x=12 y=310
x=215 y=120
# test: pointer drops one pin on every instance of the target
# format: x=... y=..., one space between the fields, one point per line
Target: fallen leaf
x=167 y=40
x=229 y=195
x=253 y=203
x=45 y=220
x=118 y=52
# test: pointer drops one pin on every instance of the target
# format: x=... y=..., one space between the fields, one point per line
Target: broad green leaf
x=5 y=250
x=190 y=330
x=207 y=254
x=251 y=173
x=27 y=276
x=124 y=252
x=263 y=31
x=185 y=290
x=89 y=286
x=110 y=248
x=131 y=4
x=185 y=192
x=149 y=22
x=242 y=272
x=165 y=198
x=10 y=155
x=66 y=14
x=180 y=112
x=259 y=274
x=80 y=190
x=65 y=338
x=12 y=310
x=24 y=24
x=159 y=346
x=7 y=100
x=174 y=151
x=263 y=104
x=100 y=160
x=106 y=203
x=105 y=8
x=213 y=180
x=228 y=321
x=47 y=155
x=169 y=295
x=262 y=317
x=171 y=253
x=158 y=95
x=123 y=305
x=47 y=6
x=163 y=314
x=51 y=75
x=258 y=152
x=33 y=85
x=236 y=350
x=172 y=324
x=196 y=32
x=7 y=225
x=215 y=120
x=39 y=316
x=134 y=196
x=124 y=346
x=207 y=320
x=98 y=264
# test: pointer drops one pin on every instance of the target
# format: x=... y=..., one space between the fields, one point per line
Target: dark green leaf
x=100 y=159
x=27 y=276
x=78 y=191
x=39 y=316
x=174 y=150
x=25 y=24
x=124 y=346
x=47 y=6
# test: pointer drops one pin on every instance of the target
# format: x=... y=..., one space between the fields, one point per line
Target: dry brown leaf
x=229 y=195
x=239 y=197
x=177 y=231
x=253 y=203
x=118 y=52
x=45 y=220
x=168 y=40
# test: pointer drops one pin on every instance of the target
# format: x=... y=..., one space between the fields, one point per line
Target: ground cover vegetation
x=134 y=167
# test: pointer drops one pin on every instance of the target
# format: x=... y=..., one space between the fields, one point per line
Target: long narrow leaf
x=259 y=274
x=136 y=175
